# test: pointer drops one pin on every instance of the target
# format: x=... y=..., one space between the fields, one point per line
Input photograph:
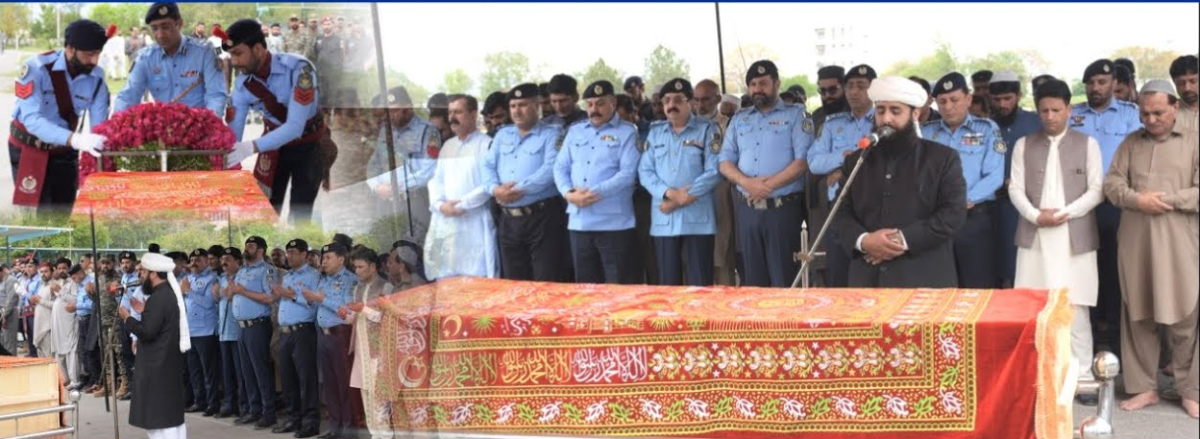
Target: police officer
x=204 y=357
x=415 y=145
x=1014 y=122
x=833 y=96
x=679 y=170
x=518 y=170
x=234 y=376
x=765 y=154
x=1131 y=80
x=1108 y=121
x=253 y=294
x=128 y=287
x=177 y=69
x=53 y=91
x=298 y=343
x=283 y=87
x=836 y=139
x=981 y=150
x=564 y=100
x=595 y=171
x=334 y=290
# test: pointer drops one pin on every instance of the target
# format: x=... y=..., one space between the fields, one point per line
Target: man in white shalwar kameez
x=43 y=311
x=462 y=236
x=65 y=333
x=1056 y=182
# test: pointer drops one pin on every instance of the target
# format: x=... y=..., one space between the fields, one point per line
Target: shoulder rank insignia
x=433 y=146
x=715 y=145
x=1000 y=146
x=23 y=71
x=807 y=125
x=304 y=92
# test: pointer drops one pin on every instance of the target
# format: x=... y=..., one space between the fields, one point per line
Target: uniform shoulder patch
x=433 y=145
x=305 y=85
x=23 y=71
x=715 y=144
x=807 y=125
x=561 y=137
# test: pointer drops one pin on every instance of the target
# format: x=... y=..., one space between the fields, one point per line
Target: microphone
x=874 y=138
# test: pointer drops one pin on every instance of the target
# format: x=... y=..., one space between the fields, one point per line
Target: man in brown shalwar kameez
x=1184 y=72
x=1155 y=180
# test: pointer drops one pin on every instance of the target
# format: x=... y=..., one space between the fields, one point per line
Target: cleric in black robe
x=906 y=203
x=162 y=336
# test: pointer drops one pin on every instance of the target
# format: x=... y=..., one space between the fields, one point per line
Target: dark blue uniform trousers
x=692 y=251
x=254 y=347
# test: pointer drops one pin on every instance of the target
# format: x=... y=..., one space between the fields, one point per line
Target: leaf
x=484 y=413
x=822 y=406
x=872 y=406
x=618 y=412
x=725 y=405
x=525 y=412
x=769 y=409
x=695 y=324
x=949 y=377
x=946 y=327
x=439 y=414
x=924 y=406
x=675 y=410
x=571 y=412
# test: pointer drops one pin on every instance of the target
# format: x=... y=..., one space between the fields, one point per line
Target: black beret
x=598 y=89
x=678 y=85
x=797 y=91
x=544 y=89
x=982 y=76
x=177 y=255
x=1128 y=63
x=244 y=31
x=154 y=248
x=75 y=269
x=397 y=95
x=199 y=253
x=127 y=255
x=761 y=68
x=161 y=10
x=860 y=71
x=438 y=100
x=234 y=252
x=1122 y=74
x=298 y=244
x=216 y=251
x=1099 y=67
x=1038 y=80
x=633 y=81
x=524 y=91
x=86 y=35
x=1184 y=65
x=262 y=243
x=563 y=84
x=831 y=72
x=951 y=82
x=1052 y=88
x=336 y=248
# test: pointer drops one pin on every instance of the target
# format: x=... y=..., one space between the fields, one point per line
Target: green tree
x=223 y=14
x=14 y=18
x=664 y=65
x=46 y=30
x=1150 y=62
x=457 y=81
x=738 y=60
x=597 y=71
x=124 y=15
x=930 y=67
x=503 y=70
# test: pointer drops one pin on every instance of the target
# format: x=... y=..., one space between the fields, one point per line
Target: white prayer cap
x=897 y=89
x=1004 y=76
x=162 y=264
x=730 y=98
x=1160 y=86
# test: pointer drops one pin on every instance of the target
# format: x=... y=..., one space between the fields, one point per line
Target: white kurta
x=43 y=322
x=65 y=334
x=1048 y=263
x=463 y=245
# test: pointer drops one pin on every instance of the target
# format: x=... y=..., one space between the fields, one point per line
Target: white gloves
x=241 y=150
x=89 y=143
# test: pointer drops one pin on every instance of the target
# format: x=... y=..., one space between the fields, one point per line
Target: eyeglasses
x=677 y=100
x=829 y=90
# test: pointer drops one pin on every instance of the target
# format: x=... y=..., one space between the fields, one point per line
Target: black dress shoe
x=209 y=413
x=330 y=435
x=194 y=409
x=285 y=428
x=264 y=423
x=1088 y=399
x=306 y=432
x=223 y=415
x=247 y=419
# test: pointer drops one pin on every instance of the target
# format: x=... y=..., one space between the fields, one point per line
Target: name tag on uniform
x=693 y=142
x=973 y=139
x=776 y=123
x=608 y=138
x=1077 y=120
x=190 y=73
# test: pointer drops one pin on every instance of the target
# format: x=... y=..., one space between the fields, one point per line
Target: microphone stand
x=807 y=258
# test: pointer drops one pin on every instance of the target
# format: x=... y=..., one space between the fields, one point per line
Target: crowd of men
x=251 y=320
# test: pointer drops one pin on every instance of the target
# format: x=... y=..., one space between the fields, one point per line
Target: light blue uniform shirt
x=298 y=310
x=1109 y=126
x=677 y=160
x=981 y=149
x=763 y=144
x=166 y=77
x=201 y=308
x=227 y=327
x=39 y=111
x=528 y=161
x=338 y=289
x=290 y=75
x=258 y=277
x=603 y=159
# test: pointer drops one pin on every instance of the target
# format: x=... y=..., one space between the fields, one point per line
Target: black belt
x=981 y=208
x=19 y=134
x=335 y=329
x=285 y=329
x=517 y=212
x=773 y=203
x=248 y=323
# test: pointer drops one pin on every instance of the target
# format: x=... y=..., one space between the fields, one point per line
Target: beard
x=837 y=106
x=904 y=138
x=1189 y=97
x=1003 y=119
x=763 y=99
x=1097 y=99
x=79 y=67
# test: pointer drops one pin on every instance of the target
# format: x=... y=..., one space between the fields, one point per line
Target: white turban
x=730 y=99
x=162 y=264
x=897 y=89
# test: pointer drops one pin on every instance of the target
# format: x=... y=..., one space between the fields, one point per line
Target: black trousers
x=605 y=257
x=975 y=253
x=768 y=240
x=89 y=356
x=126 y=354
x=254 y=348
x=203 y=364
x=695 y=252
x=298 y=375
x=301 y=165
x=61 y=180
x=234 y=385
x=534 y=247
x=1109 y=301
x=332 y=352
